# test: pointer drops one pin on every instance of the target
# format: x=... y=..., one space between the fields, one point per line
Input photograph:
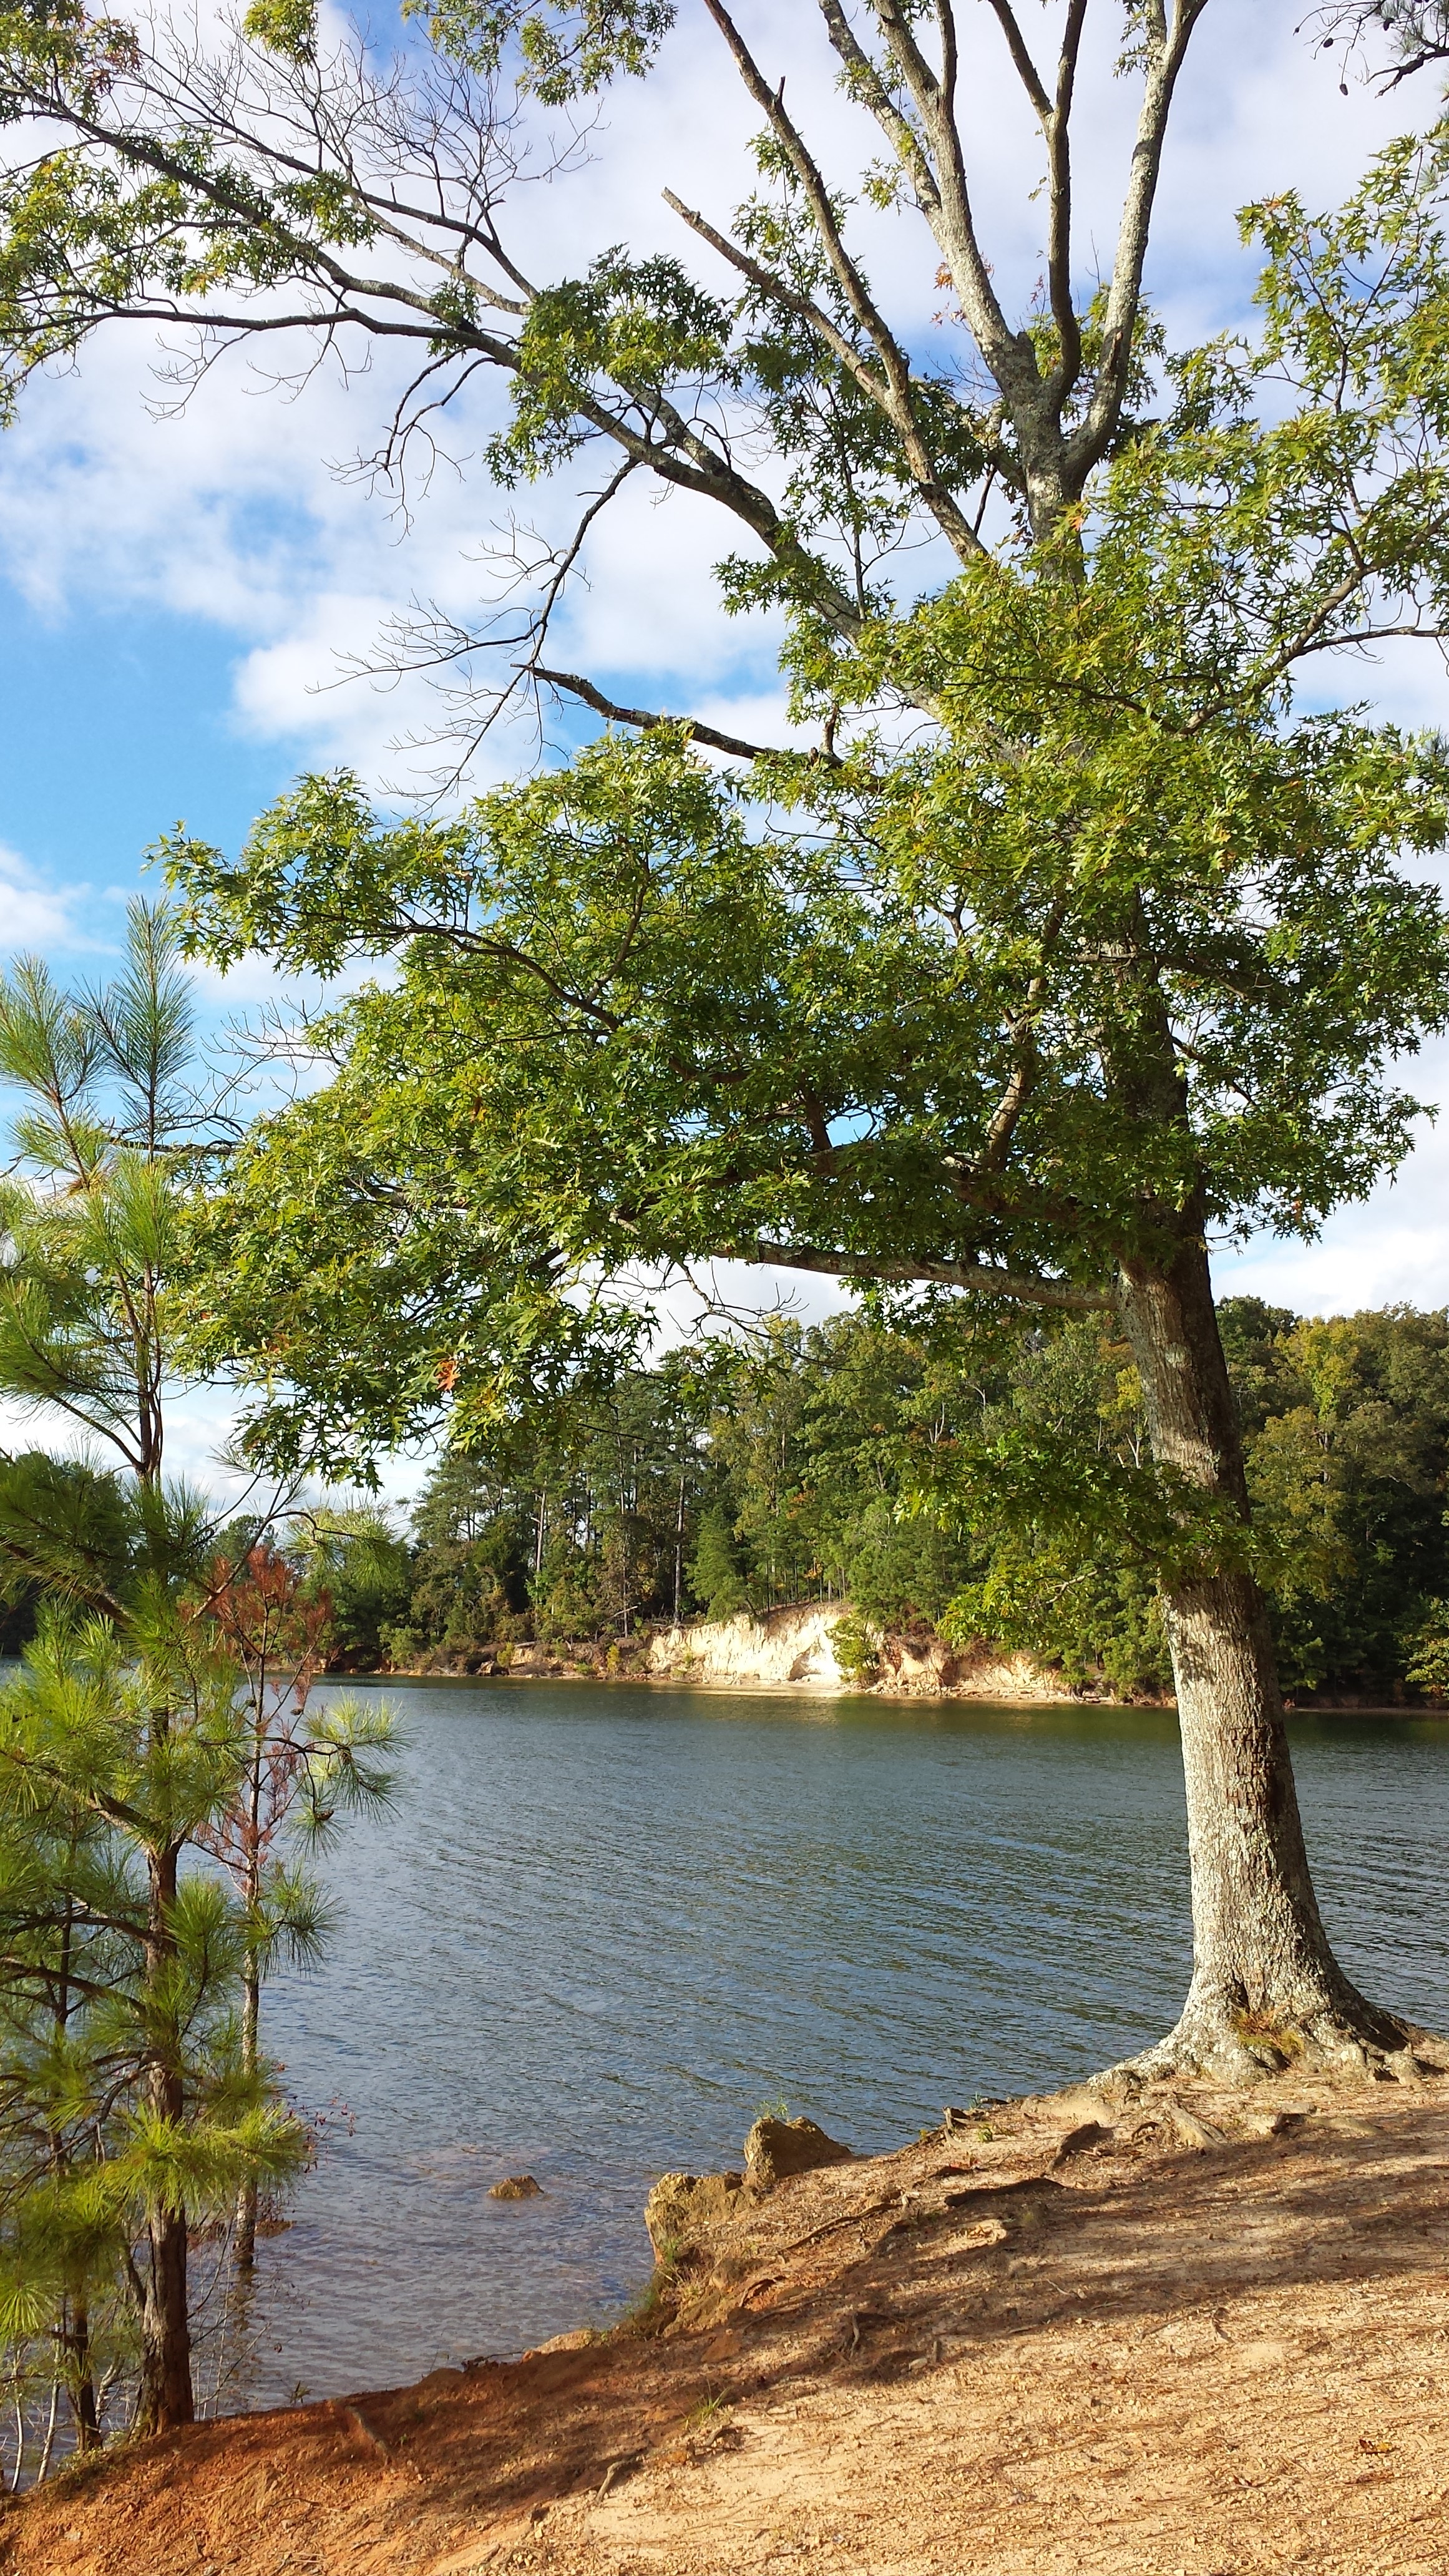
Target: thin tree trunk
x=49 y=2443
x=80 y=2383
x=246 y=2205
x=1266 y=1987
x=166 y=2392
x=75 y=2324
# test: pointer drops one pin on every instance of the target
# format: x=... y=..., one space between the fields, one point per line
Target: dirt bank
x=1213 y=2337
x=789 y=1649
x=793 y=1649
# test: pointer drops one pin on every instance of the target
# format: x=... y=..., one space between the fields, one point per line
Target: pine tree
x=127 y=2107
x=715 y=1567
x=302 y=1769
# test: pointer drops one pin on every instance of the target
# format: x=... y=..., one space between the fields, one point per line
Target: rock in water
x=515 y=2187
x=775 y=2149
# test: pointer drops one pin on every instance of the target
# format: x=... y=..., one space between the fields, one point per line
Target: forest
x=853 y=1460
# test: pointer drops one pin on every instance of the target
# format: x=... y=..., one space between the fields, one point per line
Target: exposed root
x=1221 y=2042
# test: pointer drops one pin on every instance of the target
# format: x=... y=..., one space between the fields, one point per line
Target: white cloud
x=35 y=915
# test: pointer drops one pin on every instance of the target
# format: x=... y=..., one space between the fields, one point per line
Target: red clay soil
x=1209 y=2336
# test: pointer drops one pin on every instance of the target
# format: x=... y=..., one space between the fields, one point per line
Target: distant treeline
x=827 y=1463
x=954 y=1477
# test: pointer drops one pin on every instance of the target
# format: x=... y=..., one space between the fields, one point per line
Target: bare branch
x=574 y=686
x=1059 y=183
x=932 y=153
x=1124 y=295
x=982 y=1275
x=1008 y=354
x=868 y=86
x=1023 y=1078
x=1021 y=56
x=892 y=389
x=950 y=518
x=1419 y=27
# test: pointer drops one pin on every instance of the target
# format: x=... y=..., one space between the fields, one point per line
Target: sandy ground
x=1212 y=2337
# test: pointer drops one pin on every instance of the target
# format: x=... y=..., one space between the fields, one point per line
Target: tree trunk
x=80 y=2383
x=1266 y=1988
x=75 y=2324
x=166 y=2392
x=246 y=2203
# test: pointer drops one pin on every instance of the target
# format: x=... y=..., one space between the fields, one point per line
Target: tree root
x=1224 y=2044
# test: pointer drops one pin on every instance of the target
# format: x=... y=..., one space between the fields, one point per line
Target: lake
x=605 y=1924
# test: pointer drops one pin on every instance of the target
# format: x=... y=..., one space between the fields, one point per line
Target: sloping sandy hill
x=1212 y=2337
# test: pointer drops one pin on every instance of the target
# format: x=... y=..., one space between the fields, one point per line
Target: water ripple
x=606 y=1924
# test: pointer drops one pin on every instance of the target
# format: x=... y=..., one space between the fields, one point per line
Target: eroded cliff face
x=795 y=1649
x=792 y=1649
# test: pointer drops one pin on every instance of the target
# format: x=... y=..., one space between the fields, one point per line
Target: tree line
x=820 y=1463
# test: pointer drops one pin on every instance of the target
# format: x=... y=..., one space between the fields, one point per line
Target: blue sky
x=174 y=592
x=117 y=721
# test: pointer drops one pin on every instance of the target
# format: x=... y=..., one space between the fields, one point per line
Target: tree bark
x=166 y=2392
x=1266 y=1988
x=80 y=2383
x=246 y=2202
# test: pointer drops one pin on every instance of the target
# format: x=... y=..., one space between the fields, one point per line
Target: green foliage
x=353 y=1560
x=109 y=1136
x=1428 y=1666
x=1348 y=1481
x=66 y=1529
x=134 y=2100
x=126 y=2109
x=287 y=26
x=856 y=1647
x=475 y=1538
x=564 y=50
x=1086 y=936
x=640 y=325
x=665 y=1017
x=565 y=1523
x=1121 y=948
x=714 y=1568
x=1124 y=890
x=989 y=1483
x=1346 y=1427
x=457 y=1328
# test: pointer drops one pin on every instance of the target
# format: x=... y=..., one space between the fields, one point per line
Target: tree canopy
x=1073 y=928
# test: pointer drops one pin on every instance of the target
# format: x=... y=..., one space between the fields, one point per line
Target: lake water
x=604 y=1925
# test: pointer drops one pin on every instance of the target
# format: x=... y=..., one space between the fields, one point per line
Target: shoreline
x=1150 y=2331
x=796 y=1651
x=1062 y=1701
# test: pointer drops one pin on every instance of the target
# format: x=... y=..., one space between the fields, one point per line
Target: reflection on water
x=606 y=1923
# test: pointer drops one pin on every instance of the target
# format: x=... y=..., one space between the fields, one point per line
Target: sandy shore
x=1192 y=2334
